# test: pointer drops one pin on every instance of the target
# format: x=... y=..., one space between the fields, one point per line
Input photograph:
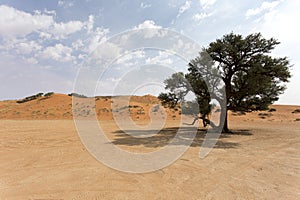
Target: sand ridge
x=59 y=106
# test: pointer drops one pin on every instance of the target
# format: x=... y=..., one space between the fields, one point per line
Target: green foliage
x=253 y=78
x=241 y=68
x=178 y=87
x=189 y=108
x=168 y=99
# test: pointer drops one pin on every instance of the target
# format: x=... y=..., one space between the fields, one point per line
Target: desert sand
x=42 y=157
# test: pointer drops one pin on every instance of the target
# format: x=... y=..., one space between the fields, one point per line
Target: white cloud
x=45 y=35
x=281 y=23
x=82 y=56
x=19 y=46
x=14 y=22
x=144 y=5
x=184 y=7
x=147 y=24
x=205 y=4
x=128 y=58
x=17 y=23
x=27 y=47
x=162 y=58
x=20 y=50
x=105 y=53
x=50 y=12
x=97 y=37
x=200 y=16
x=77 y=44
x=151 y=30
x=61 y=30
x=57 y=52
x=265 y=6
x=65 y=3
x=90 y=23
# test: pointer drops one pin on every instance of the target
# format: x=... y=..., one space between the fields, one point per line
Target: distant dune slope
x=59 y=106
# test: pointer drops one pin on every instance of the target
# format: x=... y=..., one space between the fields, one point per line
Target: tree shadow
x=240 y=132
x=161 y=138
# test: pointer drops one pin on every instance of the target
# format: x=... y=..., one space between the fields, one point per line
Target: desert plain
x=42 y=156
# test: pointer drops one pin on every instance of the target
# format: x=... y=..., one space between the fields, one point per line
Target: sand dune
x=59 y=106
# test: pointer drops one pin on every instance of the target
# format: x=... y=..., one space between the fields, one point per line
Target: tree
x=250 y=78
x=49 y=94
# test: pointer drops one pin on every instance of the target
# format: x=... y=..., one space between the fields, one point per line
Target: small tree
x=49 y=94
x=77 y=95
x=252 y=79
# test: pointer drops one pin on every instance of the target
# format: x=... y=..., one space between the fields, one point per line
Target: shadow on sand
x=164 y=136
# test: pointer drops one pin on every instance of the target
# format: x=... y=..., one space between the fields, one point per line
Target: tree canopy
x=239 y=72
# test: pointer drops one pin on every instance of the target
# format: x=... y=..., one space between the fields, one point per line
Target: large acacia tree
x=242 y=67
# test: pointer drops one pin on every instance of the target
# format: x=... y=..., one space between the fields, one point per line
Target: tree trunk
x=224 y=118
x=225 y=127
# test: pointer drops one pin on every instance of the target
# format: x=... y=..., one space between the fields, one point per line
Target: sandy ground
x=42 y=157
x=45 y=159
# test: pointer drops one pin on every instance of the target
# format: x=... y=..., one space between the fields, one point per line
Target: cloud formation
x=200 y=16
x=265 y=6
x=205 y=4
x=14 y=22
x=147 y=24
x=184 y=8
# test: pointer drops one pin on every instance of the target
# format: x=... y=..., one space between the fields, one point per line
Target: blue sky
x=43 y=43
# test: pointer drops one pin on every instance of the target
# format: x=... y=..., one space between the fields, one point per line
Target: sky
x=43 y=44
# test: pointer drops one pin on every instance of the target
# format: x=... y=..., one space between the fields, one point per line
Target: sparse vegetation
x=77 y=95
x=141 y=111
x=239 y=113
x=30 y=98
x=264 y=115
x=121 y=108
x=49 y=94
x=296 y=111
x=155 y=108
